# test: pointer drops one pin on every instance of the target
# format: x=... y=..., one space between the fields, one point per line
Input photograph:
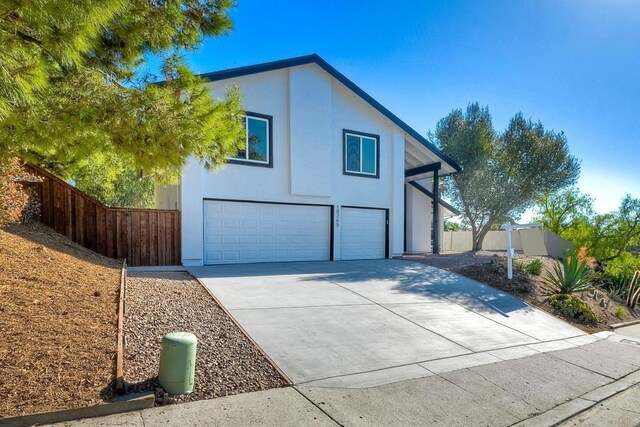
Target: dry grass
x=58 y=322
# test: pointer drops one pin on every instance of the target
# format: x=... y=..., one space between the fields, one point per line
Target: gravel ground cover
x=449 y=260
x=227 y=361
x=58 y=322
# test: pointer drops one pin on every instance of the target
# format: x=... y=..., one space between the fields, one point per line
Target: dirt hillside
x=58 y=322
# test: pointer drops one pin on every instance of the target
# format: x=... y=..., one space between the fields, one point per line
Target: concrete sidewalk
x=538 y=390
x=621 y=410
x=631 y=331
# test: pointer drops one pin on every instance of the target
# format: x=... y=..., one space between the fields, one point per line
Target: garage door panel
x=363 y=233
x=244 y=232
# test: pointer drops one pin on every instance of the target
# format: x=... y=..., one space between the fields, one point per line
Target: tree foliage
x=503 y=173
x=451 y=226
x=606 y=236
x=110 y=179
x=71 y=87
x=564 y=211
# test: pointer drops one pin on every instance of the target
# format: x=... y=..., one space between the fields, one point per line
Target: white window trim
x=375 y=154
x=246 y=142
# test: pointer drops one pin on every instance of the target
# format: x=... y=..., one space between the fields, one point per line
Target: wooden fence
x=143 y=236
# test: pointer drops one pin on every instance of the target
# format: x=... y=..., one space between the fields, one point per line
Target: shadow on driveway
x=407 y=277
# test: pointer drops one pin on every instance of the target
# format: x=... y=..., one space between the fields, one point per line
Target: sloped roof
x=316 y=59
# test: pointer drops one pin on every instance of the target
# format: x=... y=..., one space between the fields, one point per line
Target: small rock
x=43 y=252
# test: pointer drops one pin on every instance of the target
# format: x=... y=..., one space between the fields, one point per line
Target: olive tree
x=503 y=173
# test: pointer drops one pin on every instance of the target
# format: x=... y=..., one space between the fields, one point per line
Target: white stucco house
x=328 y=174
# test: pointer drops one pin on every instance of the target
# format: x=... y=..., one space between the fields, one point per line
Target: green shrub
x=498 y=268
x=573 y=275
x=626 y=263
x=619 y=313
x=617 y=284
x=535 y=267
x=519 y=266
x=574 y=307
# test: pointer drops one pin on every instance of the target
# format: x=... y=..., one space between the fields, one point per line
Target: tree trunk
x=474 y=236
x=478 y=237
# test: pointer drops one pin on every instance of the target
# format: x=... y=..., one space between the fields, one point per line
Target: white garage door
x=243 y=232
x=363 y=233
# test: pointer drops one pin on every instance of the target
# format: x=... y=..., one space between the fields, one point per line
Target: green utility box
x=177 y=362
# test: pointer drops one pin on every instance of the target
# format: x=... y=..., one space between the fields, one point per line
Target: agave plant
x=618 y=285
x=570 y=276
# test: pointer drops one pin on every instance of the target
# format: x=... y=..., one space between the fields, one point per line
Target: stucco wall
x=310 y=109
x=531 y=241
x=419 y=209
x=556 y=246
x=461 y=241
x=497 y=240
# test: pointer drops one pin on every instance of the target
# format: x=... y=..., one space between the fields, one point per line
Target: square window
x=258 y=144
x=361 y=154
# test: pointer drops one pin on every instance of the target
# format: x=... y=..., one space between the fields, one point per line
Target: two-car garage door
x=246 y=232
x=243 y=232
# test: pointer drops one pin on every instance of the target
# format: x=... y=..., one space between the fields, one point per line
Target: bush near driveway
x=535 y=267
x=574 y=307
x=570 y=276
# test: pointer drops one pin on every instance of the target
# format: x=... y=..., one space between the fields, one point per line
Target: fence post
x=128 y=212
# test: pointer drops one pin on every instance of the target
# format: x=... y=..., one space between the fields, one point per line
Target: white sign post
x=510 y=251
x=508 y=227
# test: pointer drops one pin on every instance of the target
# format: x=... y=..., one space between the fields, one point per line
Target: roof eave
x=315 y=58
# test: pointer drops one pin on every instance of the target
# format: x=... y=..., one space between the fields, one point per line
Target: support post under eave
x=436 y=212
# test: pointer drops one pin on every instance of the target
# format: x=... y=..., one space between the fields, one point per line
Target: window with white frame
x=361 y=152
x=258 y=145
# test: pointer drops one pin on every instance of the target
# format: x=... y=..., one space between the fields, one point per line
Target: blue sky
x=574 y=65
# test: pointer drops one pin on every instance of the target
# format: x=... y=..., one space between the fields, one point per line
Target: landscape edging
x=120 y=344
x=135 y=403
x=623 y=324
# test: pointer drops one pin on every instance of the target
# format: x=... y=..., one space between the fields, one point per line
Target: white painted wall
x=192 y=213
x=419 y=221
x=310 y=110
x=310 y=131
x=440 y=226
x=397 y=213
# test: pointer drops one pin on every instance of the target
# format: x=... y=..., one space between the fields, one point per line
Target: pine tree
x=71 y=91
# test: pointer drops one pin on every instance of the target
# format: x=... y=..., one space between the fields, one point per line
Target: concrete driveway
x=367 y=323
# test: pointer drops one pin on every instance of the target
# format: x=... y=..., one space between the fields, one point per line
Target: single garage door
x=244 y=232
x=363 y=233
